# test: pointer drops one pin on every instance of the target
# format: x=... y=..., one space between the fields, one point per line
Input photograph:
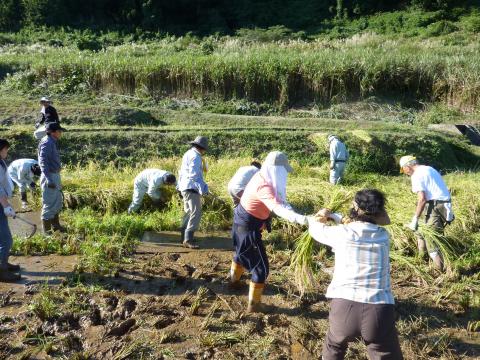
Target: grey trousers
x=52 y=199
x=336 y=173
x=192 y=205
x=374 y=323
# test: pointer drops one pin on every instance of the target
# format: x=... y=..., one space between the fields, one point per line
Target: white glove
x=8 y=211
x=414 y=223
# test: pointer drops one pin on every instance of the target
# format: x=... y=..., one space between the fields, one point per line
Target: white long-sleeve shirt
x=362 y=263
x=20 y=171
x=241 y=178
x=338 y=150
x=152 y=180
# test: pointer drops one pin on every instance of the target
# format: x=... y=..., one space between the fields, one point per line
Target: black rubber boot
x=182 y=234
x=8 y=276
x=188 y=240
x=47 y=227
x=23 y=196
x=13 y=267
x=56 y=225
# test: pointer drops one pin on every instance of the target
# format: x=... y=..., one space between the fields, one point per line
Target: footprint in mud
x=122 y=328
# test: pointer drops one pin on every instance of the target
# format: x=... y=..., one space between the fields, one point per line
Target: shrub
x=442 y=27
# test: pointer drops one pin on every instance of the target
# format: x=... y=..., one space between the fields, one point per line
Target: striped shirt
x=362 y=263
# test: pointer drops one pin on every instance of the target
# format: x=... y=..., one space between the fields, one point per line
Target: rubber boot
x=47 y=227
x=23 y=197
x=421 y=245
x=56 y=225
x=236 y=272
x=188 y=240
x=8 y=276
x=255 y=298
x=13 y=267
x=182 y=234
x=437 y=260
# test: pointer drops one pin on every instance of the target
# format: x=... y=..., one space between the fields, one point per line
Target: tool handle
x=24 y=220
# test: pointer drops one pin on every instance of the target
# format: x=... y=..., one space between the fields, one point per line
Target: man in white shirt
x=149 y=182
x=239 y=181
x=433 y=193
x=338 y=159
x=22 y=172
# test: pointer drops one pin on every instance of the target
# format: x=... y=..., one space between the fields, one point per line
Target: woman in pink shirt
x=265 y=193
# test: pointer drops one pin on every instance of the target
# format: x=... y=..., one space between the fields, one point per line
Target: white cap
x=278 y=158
x=331 y=137
x=44 y=98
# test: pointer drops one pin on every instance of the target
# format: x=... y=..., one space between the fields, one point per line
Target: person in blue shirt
x=338 y=158
x=192 y=186
x=50 y=181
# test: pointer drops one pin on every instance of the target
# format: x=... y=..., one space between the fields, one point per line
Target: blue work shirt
x=338 y=151
x=190 y=176
x=48 y=156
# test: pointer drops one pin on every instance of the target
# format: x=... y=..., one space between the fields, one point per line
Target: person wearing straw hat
x=192 y=186
x=265 y=193
x=50 y=181
x=23 y=172
x=48 y=114
x=432 y=193
x=338 y=159
x=150 y=182
x=362 y=303
x=7 y=270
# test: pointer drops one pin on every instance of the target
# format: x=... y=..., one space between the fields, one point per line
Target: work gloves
x=413 y=224
x=8 y=211
x=33 y=185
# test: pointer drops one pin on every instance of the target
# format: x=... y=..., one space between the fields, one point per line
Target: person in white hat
x=265 y=193
x=432 y=193
x=338 y=158
x=48 y=114
x=192 y=186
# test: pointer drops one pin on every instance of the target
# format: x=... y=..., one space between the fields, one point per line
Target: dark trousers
x=250 y=252
x=373 y=323
x=6 y=240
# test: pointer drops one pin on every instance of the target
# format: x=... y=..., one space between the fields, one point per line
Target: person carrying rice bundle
x=362 y=304
x=264 y=194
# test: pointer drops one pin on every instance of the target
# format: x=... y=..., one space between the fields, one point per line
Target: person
x=338 y=159
x=433 y=193
x=192 y=186
x=265 y=193
x=239 y=181
x=149 y=182
x=362 y=304
x=22 y=173
x=7 y=270
x=48 y=114
x=50 y=180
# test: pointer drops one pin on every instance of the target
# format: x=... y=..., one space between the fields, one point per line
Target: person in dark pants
x=50 y=181
x=7 y=270
x=362 y=304
x=264 y=194
x=48 y=114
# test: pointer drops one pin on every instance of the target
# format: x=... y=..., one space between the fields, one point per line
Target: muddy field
x=170 y=302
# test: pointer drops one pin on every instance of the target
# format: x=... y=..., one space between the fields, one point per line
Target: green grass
x=297 y=72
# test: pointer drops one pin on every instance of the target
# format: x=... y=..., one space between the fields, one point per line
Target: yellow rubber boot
x=255 y=297
x=236 y=272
